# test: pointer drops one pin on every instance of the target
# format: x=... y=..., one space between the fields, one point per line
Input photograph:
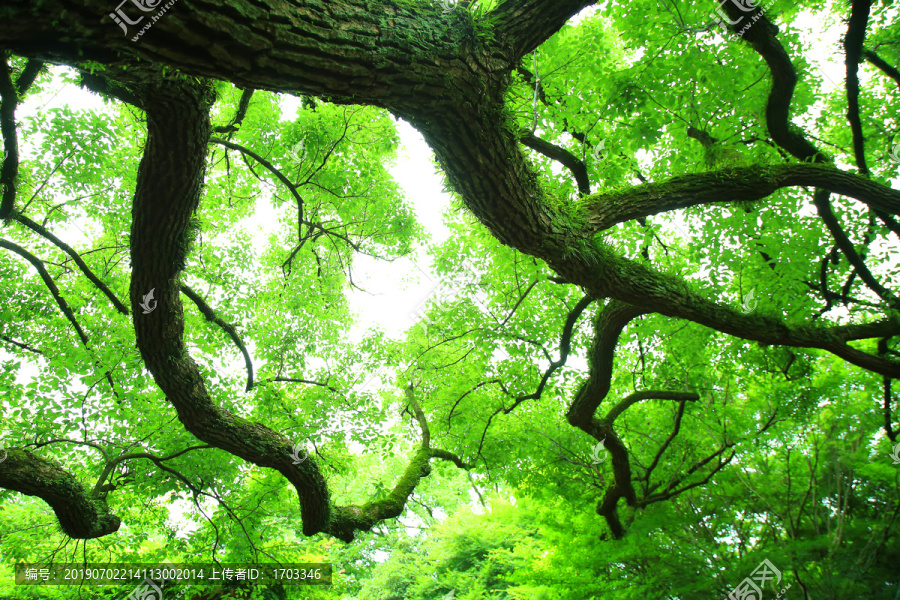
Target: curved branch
x=269 y=166
x=636 y=397
x=348 y=519
x=40 y=230
x=607 y=209
x=54 y=291
x=228 y=328
x=81 y=515
x=565 y=348
x=763 y=36
x=562 y=156
x=243 y=105
x=526 y=24
x=449 y=456
x=608 y=325
x=167 y=193
x=100 y=489
x=823 y=205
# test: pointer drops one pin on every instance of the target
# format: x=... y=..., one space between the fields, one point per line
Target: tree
x=722 y=140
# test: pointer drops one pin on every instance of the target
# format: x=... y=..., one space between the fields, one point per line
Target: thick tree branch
x=763 y=36
x=26 y=78
x=167 y=193
x=636 y=397
x=853 y=46
x=608 y=325
x=607 y=209
x=10 y=169
x=348 y=519
x=228 y=328
x=526 y=24
x=81 y=514
x=879 y=62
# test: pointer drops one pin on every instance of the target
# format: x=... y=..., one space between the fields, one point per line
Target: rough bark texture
x=80 y=513
x=448 y=77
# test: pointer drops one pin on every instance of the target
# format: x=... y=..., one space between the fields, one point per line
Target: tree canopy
x=663 y=348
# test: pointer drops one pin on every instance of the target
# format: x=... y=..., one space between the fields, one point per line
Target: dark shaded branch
x=562 y=156
x=879 y=62
x=823 y=205
x=526 y=24
x=460 y=399
x=705 y=139
x=20 y=344
x=607 y=209
x=8 y=101
x=269 y=166
x=853 y=46
x=110 y=88
x=679 y=414
x=26 y=78
x=763 y=36
x=565 y=348
x=228 y=328
x=636 y=397
x=93 y=445
x=40 y=230
x=888 y=421
x=167 y=193
x=81 y=514
x=608 y=325
x=100 y=489
x=235 y=123
x=54 y=291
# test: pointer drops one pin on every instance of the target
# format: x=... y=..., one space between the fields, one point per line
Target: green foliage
x=804 y=477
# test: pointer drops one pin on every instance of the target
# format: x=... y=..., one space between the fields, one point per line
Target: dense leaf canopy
x=662 y=347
